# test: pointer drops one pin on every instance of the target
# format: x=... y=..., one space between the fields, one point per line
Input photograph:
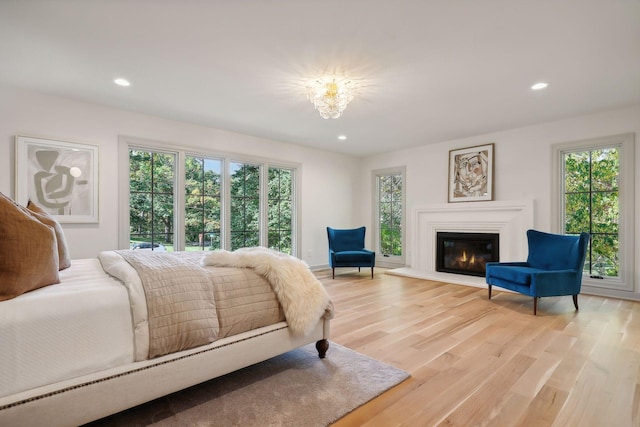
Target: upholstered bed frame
x=80 y=341
x=94 y=396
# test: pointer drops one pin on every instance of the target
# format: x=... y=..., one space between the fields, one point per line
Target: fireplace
x=466 y=253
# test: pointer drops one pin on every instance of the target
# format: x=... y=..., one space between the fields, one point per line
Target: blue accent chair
x=553 y=267
x=346 y=249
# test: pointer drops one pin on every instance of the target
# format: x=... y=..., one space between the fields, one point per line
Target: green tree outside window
x=591 y=204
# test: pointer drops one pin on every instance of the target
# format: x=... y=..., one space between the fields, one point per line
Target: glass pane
x=385 y=214
x=397 y=188
x=285 y=215
x=274 y=215
x=396 y=214
x=576 y=172
x=194 y=175
x=237 y=214
x=212 y=241
x=163 y=220
x=212 y=209
x=396 y=241
x=139 y=241
x=139 y=215
x=194 y=221
x=212 y=178
x=139 y=171
x=252 y=214
x=285 y=243
x=605 y=213
x=604 y=169
x=163 y=176
x=237 y=240
x=577 y=218
x=605 y=260
x=274 y=240
x=385 y=190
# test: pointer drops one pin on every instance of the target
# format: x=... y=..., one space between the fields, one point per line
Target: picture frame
x=471 y=173
x=60 y=177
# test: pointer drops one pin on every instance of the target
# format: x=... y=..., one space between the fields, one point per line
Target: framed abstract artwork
x=471 y=174
x=60 y=177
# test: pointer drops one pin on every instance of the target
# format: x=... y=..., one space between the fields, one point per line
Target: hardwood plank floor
x=475 y=362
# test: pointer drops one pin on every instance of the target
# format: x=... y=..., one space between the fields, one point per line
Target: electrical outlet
x=309 y=253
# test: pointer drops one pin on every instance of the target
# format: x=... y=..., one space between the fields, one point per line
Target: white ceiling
x=428 y=71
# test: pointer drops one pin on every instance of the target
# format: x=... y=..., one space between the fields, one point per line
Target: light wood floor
x=475 y=362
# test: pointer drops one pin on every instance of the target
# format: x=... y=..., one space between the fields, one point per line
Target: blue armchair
x=553 y=267
x=346 y=249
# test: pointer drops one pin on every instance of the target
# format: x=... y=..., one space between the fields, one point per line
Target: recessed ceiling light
x=342 y=137
x=539 y=86
x=122 y=82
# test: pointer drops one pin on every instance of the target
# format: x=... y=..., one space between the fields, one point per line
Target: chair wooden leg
x=535 y=306
x=358 y=269
x=489 y=291
x=575 y=301
x=372 y=272
x=333 y=273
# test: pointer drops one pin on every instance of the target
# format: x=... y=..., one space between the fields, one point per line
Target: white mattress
x=79 y=326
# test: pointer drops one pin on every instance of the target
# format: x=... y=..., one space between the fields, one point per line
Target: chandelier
x=330 y=96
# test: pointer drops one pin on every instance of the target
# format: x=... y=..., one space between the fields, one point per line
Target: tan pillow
x=28 y=251
x=64 y=258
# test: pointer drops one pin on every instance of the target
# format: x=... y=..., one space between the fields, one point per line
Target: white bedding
x=99 y=335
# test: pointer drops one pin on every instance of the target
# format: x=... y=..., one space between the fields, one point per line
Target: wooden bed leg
x=322 y=346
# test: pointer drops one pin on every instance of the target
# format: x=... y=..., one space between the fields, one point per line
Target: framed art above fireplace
x=471 y=174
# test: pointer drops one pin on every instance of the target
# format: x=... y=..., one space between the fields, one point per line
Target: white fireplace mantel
x=510 y=220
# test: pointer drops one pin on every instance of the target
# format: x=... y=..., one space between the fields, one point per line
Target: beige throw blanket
x=180 y=301
x=303 y=298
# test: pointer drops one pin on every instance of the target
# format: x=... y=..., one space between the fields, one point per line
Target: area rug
x=294 y=389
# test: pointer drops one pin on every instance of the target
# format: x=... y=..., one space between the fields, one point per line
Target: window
x=389 y=211
x=591 y=205
x=224 y=204
x=280 y=215
x=595 y=194
x=245 y=205
x=151 y=199
x=203 y=204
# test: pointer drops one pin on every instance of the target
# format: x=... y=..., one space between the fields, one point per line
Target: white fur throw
x=303 y=298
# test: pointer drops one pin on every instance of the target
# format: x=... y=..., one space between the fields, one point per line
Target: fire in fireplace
x=466 y=253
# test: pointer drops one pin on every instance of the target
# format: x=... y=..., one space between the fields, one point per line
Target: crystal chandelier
x=330 y=96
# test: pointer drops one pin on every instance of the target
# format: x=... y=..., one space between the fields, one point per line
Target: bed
x=84 y=348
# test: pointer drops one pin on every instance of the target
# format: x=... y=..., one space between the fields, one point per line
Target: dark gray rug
x=294 y=389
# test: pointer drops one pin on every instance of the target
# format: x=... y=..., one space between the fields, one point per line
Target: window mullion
x=264 y=205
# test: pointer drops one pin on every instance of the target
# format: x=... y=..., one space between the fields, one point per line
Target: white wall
x=327 y=178
x=336 y=189
x=522 y=167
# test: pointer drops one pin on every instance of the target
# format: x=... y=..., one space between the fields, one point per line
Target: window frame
x=126 y=142
x=626 y=199
x=392 y=260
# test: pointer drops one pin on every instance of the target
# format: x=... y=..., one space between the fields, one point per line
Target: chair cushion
x=353 y=256
x=555 y=251
x=341 y=240
x=519 y=275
